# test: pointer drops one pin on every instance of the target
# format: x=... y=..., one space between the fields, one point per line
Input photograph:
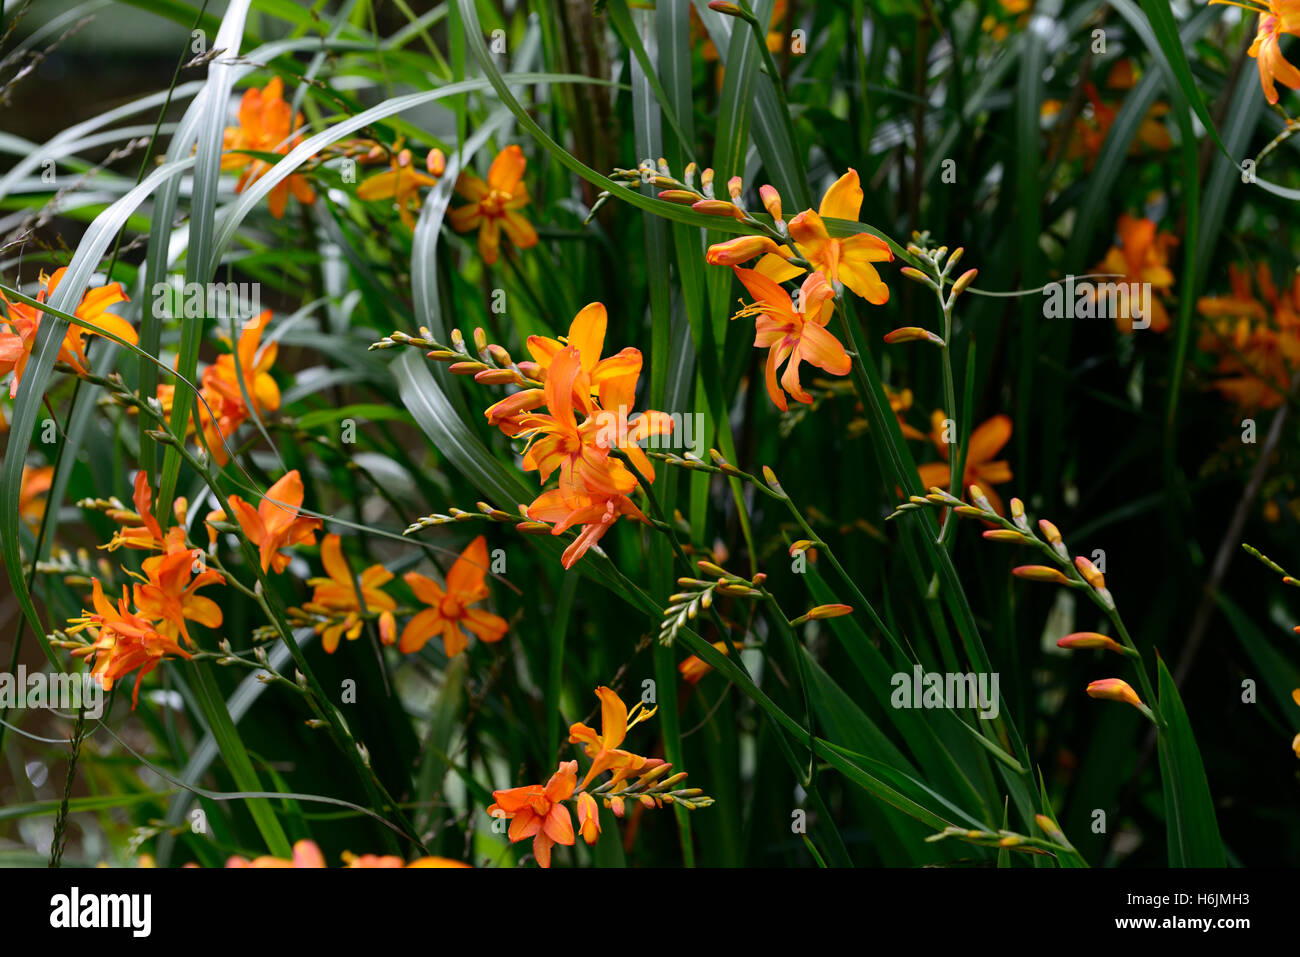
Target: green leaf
x=1190 y=822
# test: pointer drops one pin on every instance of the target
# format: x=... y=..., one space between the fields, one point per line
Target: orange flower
x=401 y=184
x=24 y=320
x=847 y=260
x=16 y=344
x=266 y=123
x=900 y=402
x=275 y=524
x=566 y=507
x=1258 y=342
x=588 y=818
x=557 y=440
x=981 y=469
x=799 y=336
x=1089 y=133
x=588 y=403
x=700 y=40
x=587 y=335
x=494 y=206
x=123 y=642
x=694 y=668
x=337 y=595
x=539 y=812
x=35 y=483
x=223 y=409
x=1295 y=742
x=603 y=748
x=167 y=594
x=305 y=855
x=94 y=309
x=437 y=862
x=146 y=536
x=1142 y=256
x=1283 y=16
x=449 y=610
x=372 y=860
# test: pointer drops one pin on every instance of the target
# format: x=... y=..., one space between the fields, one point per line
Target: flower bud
x=912 y=334
x=1091 y=639
x=715 y=207
x=771 y=201
x=435 y=162
x=963 y=281
x=1040 y=573
x=1115 y=689
x=685 y=197
x=1090 y=573
x=824 y=611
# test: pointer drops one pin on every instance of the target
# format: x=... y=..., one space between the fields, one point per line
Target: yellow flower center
x=494 y=203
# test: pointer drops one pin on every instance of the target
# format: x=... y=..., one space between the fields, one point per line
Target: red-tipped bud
x=683 y=196
x=741 y=249
x=1115 y=689
x=1090 y=639
x=771 y=201
x=912 y=334
x=1040 y=573
x=1005 y=535
x=1089 y=572
x=716 y=207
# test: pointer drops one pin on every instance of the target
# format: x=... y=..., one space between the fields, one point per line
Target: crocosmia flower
x=494 y=206
x=449 y=612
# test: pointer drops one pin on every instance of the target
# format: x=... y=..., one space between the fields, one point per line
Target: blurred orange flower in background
x=981 y=468
x=1256 y=338
x=1141 y=256
x=266 y=123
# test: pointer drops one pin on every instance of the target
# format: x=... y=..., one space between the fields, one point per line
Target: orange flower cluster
x=307 y=855
x=165 y=598
x=539 y=811
x=588 y=402
x=23 y=322
x=1257 y=338
x=223 y=385
x=402 y=183
x=267 y=124
x=340 y=604
x=794 y=329
x=1090 y=131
